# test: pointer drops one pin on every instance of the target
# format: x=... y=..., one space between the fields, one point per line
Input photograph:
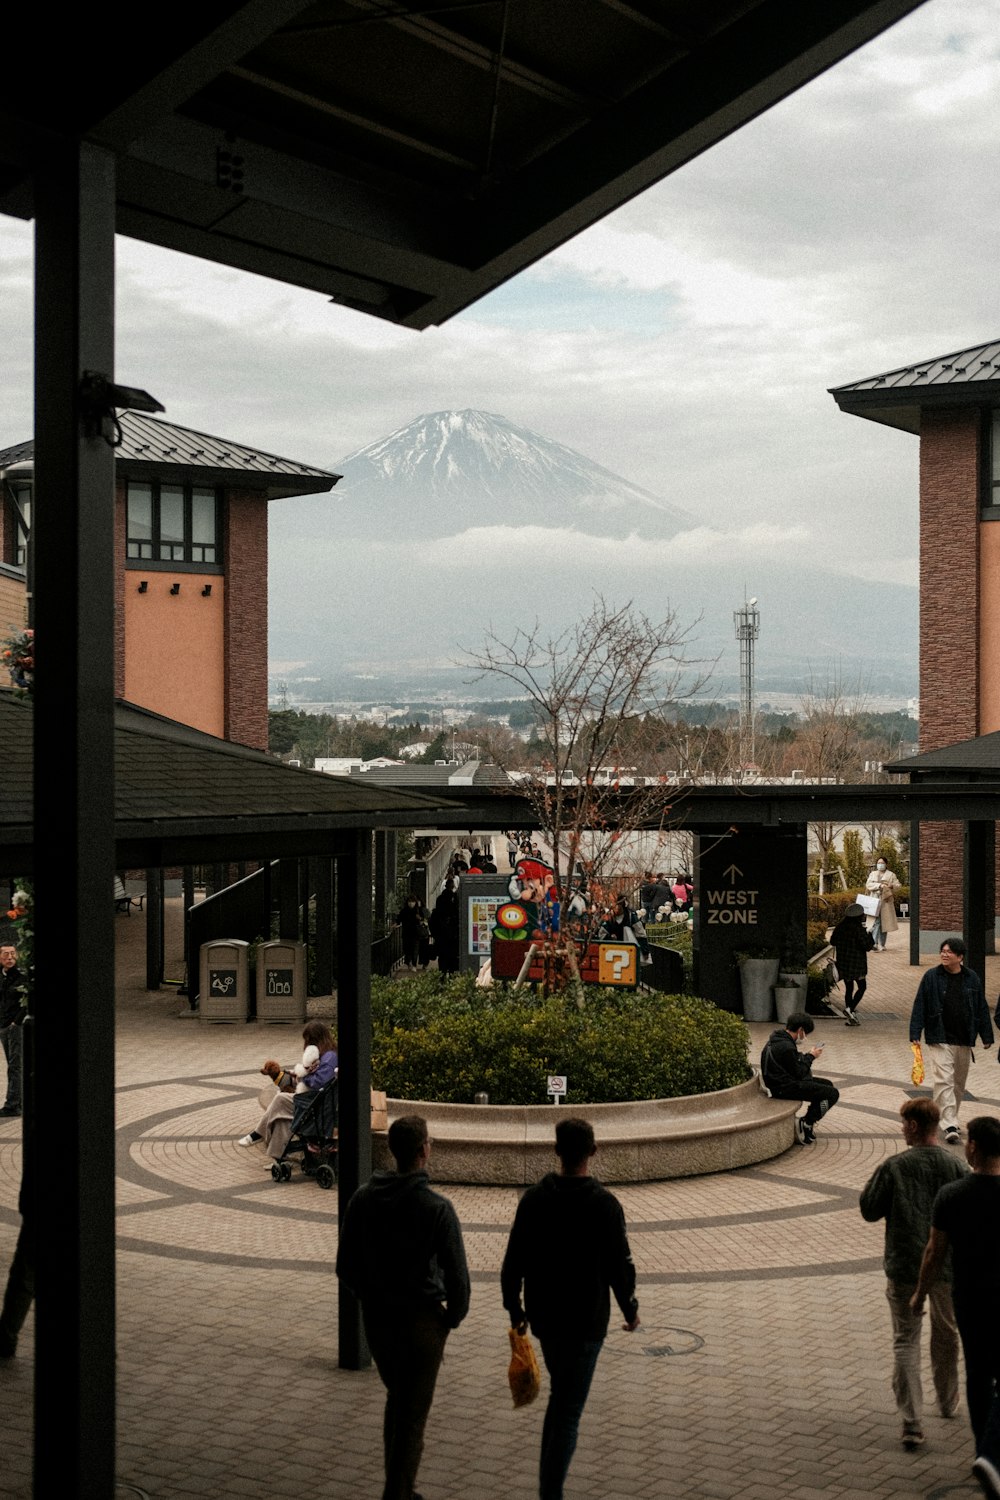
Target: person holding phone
x=787 y=1074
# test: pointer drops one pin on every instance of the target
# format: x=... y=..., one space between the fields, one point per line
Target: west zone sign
x=733 y=903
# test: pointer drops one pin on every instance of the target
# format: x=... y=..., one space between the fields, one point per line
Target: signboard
x=617 y=963
x=222 y=982
x=482 y=918
x=557 y=1086
x=731 y=903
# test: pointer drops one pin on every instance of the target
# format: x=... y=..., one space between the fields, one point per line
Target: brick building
x=952 y=404
x=191 y=517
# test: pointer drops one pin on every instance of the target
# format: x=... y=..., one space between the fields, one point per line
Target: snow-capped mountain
x=450 y=470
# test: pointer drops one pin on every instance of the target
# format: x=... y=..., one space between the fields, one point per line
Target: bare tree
x=828 y=745
x=591 y=686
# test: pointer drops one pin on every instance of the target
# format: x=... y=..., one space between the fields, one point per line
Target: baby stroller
x=314 y=1137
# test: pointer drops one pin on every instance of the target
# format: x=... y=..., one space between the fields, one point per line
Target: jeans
x=407 y=1346
x=878 y=936
x=10 y=1040
x=981 y=1347
x=571 y=1364
x=906 y=1329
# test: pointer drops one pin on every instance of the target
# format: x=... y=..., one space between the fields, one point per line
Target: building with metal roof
x=951 y=402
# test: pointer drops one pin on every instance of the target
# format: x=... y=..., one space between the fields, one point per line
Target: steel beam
x=354 y=1032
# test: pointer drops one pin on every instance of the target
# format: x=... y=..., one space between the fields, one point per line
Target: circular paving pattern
x=186 y=1190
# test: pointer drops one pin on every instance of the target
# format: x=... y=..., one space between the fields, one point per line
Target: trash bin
x=281 y=981
x=224 y=980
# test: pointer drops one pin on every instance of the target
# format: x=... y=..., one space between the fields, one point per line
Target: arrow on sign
x=733 y=871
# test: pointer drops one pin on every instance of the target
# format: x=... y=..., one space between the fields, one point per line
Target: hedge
x=448 y=1042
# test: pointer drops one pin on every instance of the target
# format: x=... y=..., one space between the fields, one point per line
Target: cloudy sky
x=687 y=342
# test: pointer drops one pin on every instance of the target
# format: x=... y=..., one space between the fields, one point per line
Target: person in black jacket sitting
x=787 y=1074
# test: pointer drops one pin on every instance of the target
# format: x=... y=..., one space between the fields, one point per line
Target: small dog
x=282 y=1078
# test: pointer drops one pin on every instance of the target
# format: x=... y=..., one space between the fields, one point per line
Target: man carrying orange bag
x=568 y=1249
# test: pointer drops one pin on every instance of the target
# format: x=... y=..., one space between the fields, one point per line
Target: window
x=172 y=523
x=21 y=491
x=993 y=491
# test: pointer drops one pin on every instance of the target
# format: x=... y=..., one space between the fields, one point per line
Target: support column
x=977 y=861
x=354 y=1030
x=915 y=891
x=154 y=929
x=74 y=827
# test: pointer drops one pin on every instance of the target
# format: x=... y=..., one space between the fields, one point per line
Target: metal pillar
x=915 y=891
x=977 y=859
x=155 y=942
x=354 y=1031
x=74 y=825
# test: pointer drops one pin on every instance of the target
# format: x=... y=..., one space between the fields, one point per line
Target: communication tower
x=747 y=621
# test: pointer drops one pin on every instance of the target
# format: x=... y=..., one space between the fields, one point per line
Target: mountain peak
x=467 y=467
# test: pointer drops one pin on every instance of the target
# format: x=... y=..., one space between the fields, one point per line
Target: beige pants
x=906 y=1326
x=949 y=1071
x=275 y=1124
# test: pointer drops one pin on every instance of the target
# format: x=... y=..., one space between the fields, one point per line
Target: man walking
x=11 y=1020
x=950 y=1010
x=966 y=1220
x=902 y=1191
x=787 y=1074
x=567 y=1248
x=401 y=1254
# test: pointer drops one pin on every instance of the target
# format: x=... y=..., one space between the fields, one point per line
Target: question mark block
x=616 y=964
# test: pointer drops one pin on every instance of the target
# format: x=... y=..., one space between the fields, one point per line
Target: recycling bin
x=281 y=981
x=224 y=980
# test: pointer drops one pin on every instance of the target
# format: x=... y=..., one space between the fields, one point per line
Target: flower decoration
x=19 y=659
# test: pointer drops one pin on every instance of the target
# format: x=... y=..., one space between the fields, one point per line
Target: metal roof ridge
x=912 y=367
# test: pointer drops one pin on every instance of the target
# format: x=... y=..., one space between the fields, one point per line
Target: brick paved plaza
x=761 y=1368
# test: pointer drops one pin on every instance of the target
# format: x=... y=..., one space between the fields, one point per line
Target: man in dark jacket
x=11 y=1020
x=787 y=1074
x=568 y=1248
x=401 y=1254
x=950 y=1011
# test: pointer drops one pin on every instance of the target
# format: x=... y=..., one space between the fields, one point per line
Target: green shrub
x=449 y=1042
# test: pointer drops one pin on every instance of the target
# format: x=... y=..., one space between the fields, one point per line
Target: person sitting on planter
x=853 y=943
x=622 y=925
x=787 y=1074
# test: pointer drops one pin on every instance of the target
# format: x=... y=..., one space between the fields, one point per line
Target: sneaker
x=914 y=1440
x=11 y=1111
x=953 y=1136
x=852 y=1016
x=248 y=1140
x=803 y=1132
x=988 y=1475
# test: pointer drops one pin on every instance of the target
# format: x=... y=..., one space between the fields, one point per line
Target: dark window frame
x=187 y=563
x=989 y=488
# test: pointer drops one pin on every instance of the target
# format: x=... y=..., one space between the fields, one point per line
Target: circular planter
x=647 y=1140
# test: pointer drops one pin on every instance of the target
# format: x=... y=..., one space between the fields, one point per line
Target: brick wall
x=245 y=542
x=949 y=632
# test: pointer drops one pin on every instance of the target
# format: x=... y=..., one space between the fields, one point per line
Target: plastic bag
x=917 y=1072
x=522 y=1372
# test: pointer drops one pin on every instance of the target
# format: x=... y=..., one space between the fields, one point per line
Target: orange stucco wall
x=175 y=647
x=989 y=627
x=13 y=604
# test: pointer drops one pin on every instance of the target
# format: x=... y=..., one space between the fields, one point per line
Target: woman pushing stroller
x=294 y=1087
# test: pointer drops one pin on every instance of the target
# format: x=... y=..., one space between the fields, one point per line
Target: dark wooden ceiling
x=400 y=158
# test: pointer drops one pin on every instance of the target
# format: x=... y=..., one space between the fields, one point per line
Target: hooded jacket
x=401 y=1246
x=569 y=1249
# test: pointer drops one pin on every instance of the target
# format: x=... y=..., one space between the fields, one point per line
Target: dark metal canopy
x=403 y=158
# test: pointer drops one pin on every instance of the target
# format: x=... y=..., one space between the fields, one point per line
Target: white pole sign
x=557 y=1087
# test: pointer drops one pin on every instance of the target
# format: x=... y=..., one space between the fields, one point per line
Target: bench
x=123 y=901
x=649 y=1140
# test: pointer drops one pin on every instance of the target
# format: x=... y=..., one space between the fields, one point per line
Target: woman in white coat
x=883 y=884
